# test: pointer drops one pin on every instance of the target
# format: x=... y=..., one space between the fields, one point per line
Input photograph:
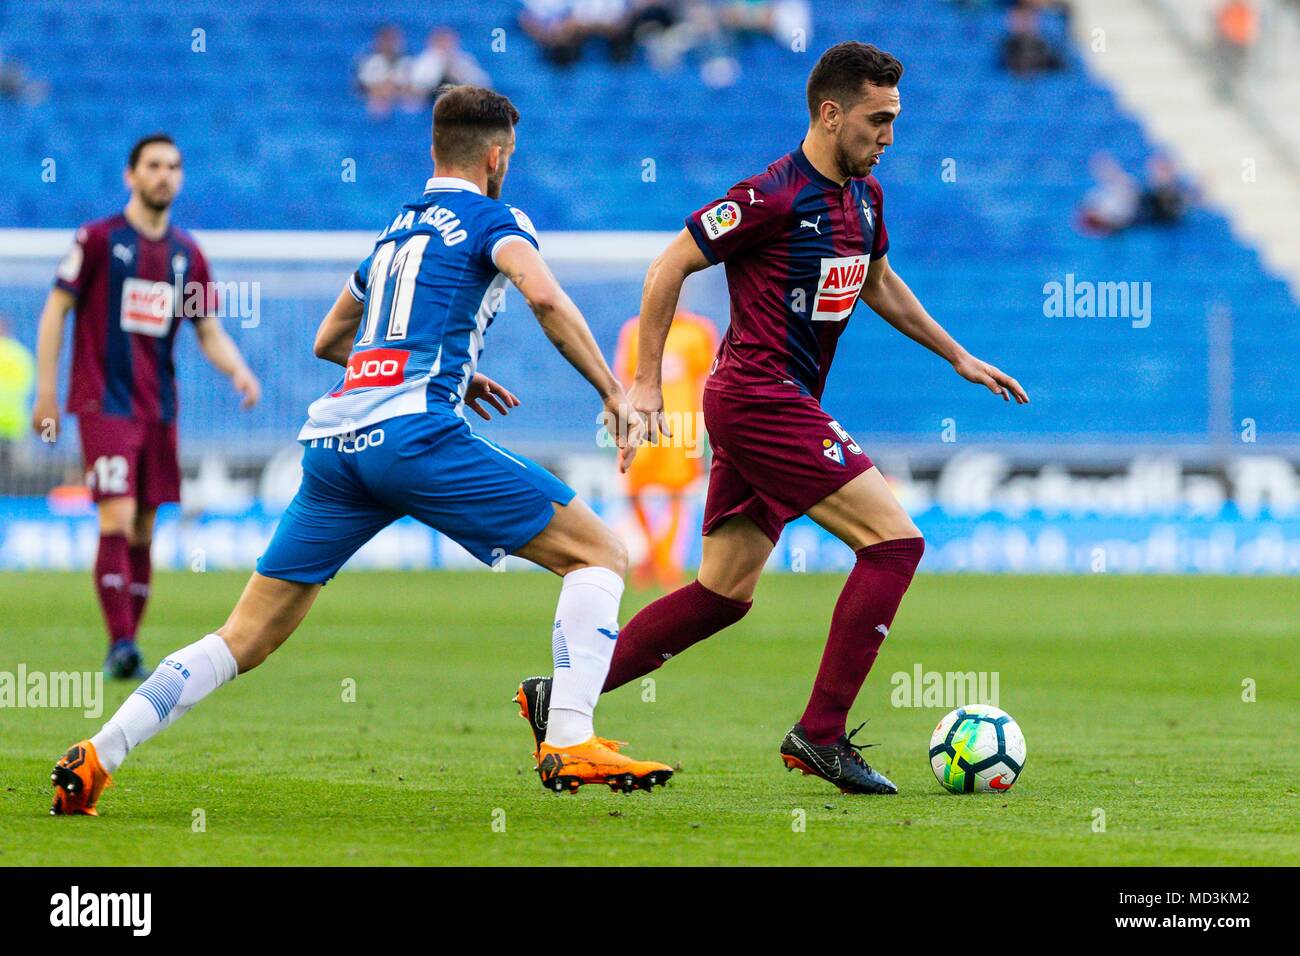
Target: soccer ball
x=977 y=749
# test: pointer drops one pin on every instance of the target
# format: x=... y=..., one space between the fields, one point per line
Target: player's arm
x=891 y=299
x=568 y=331
x=338 y=330
x=224 y=355
x=659 y=297
x=49 y=342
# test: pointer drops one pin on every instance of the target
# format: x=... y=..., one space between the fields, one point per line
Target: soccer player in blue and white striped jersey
x=391 y=439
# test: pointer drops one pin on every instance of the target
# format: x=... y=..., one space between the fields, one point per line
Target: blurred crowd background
x=1152 y=145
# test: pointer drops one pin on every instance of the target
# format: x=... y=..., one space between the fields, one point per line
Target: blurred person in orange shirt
x=677 y=462
x=1236 y=28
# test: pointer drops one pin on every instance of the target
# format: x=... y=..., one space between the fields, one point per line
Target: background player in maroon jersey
x=802 y=242
x=121 y=276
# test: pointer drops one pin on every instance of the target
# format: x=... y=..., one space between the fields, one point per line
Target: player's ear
x=494 y=157
x=831 y=114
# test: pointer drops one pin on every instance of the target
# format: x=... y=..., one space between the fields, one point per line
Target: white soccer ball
x=977 y=749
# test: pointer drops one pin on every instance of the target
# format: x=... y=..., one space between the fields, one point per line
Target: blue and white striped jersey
x=430 y=290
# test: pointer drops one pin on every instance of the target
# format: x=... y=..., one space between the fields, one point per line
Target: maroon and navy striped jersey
x=797 y=246
x=126 y=307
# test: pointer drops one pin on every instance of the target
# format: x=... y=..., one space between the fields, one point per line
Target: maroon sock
x=862 y=618
x=112 y=583
x=667 y=627
x=141 y=575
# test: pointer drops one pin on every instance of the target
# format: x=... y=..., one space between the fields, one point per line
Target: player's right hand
x=648 y=400
x=45 y=419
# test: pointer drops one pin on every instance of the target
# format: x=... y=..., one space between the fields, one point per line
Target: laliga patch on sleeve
x=70 y=266
x=525 y=223
x=722 y=218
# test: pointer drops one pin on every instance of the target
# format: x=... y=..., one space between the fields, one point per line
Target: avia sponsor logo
x=838 y=288
x=75 y=908
x=147 y=307
x=374 y=368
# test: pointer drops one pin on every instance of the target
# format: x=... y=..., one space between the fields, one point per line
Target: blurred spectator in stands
x=562 y=27
x=779 y=19
x=1025 y=50
x=1112 y=204
x=443 y=61
x=1236 y=28
x=16 y=87
x=1165 y=197
x=17 y=375
x=547 y=23
x=715 y=27
x=384 y=74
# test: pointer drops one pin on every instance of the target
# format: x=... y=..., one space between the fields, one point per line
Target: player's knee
x=907 y=529
x=607 y=551
x=249 y=646
x=889 y=527
x=613 y=554
x=117 y=516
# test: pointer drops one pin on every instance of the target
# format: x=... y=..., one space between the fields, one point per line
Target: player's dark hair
x=842 y=70
x=134 y=158
x=469 y=119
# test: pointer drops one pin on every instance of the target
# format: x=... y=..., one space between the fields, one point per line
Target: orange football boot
x=534 y=700
x=568 y=768
x=79 y=778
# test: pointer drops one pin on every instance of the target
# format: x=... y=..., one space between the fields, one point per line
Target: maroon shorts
x=129 y=457
x=776 y=453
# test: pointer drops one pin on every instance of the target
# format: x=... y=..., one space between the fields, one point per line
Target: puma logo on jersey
x=752 y=200
x=838 y=287
x=884 y=631
x=805 y=224
x=125 y=253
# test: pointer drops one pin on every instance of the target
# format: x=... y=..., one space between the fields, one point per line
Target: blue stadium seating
x=266 y=115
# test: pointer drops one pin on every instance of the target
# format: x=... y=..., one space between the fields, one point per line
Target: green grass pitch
x=1129 y=691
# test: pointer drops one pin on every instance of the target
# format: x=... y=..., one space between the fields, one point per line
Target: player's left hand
x=483 y=388
x=249 y=388
x=991 y=377
x=629 y=428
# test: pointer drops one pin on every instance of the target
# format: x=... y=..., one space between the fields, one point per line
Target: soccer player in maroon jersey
x=121 y=276
x=802 y=242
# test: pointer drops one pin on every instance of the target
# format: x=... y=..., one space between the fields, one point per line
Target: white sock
x=586 y=626
x=178 y=683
